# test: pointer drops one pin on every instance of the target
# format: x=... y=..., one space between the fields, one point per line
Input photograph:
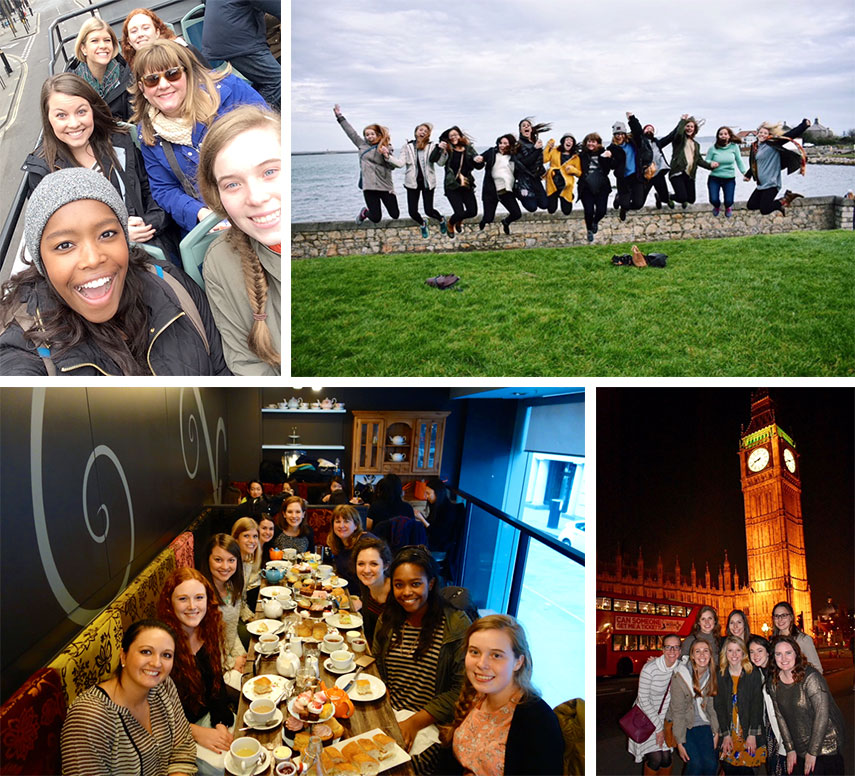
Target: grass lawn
x=767 y=305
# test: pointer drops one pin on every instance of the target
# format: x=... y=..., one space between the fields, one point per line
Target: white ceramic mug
x=352 y=635
x=290 y=553
x=325 y=571
x=268 y=643
x=358 y=644
x=246 y=753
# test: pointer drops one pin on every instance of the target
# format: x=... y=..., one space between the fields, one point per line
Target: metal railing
x=526 y=534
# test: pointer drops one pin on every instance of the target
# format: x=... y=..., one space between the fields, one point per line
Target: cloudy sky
x=485 y=64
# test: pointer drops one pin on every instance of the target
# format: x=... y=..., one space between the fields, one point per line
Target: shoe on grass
x=362 y=215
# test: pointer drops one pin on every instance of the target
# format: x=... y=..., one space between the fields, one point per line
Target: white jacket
x=408 y=158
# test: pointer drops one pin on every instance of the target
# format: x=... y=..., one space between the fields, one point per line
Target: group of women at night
x=523 y=171
x=739 y=702
x=203 y=146
x=170 y=708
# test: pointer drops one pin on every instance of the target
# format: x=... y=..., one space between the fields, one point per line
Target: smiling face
x=190 y=603
x=247 y=174
x=410 y=587
x=422 y=131
x=370 y=136
x=763 y=134
x=783 y=620
x=343 y=527
x=671 y=650
x=70 y=119
x=785 y=656
x=265 y=530
x=141 y=30
x=454 y=137
x=491 y=663
x=167 y=97
x=222 y=564
x=736 y=625
x=734 y=655
x=758 y=655
x=85 y=257
x=525 y=128
x=592 y=144
x=294 y=514
x=504 y=147
x=569 y=142
x=98 y=48
x=369 y=567
x=255 y=490
x=691 y=128
x=724 y=135
x=619 y=138
x=707 y=622
x=700 y=653
x=247 y=541
x=149 y=658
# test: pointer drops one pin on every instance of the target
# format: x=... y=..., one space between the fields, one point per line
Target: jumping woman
x=564 y=168
x=529 y=170
x=499 y=182
x=456 y=153
x=772 y=152
x=420 y=178
x=376 y=163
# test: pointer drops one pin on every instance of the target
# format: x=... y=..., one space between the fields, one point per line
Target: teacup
x=352 y=635
x=286 y=768
x=281 y=754
x=358 y=644
x=341 y=659
x=338 y=406
x=246 y=753
x=325 y=571
x=333 y=641
x=290 y=553
x=267 y=643
x=262 y=710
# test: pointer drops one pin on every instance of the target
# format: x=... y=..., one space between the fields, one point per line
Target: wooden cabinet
x=406 y=443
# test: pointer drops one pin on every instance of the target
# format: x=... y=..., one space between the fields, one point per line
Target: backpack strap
x=186 y=183
x=34 y=330
x=184 y=299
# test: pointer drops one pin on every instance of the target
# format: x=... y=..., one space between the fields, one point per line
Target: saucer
x=330 y=651
x=231 y=766
x=274 y=721
x=328 y=664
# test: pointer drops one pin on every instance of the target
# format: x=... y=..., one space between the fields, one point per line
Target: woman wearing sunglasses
x=175 y=102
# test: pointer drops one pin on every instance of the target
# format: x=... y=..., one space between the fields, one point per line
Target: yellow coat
x=571 y=169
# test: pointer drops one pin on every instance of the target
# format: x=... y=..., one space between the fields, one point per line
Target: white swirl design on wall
x=76 y=613
x=192 y=429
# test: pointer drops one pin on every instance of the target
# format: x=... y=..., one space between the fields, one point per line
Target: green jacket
x=449 y=669
x=677 y=137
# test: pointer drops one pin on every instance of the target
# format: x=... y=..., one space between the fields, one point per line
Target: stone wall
x=541 y=230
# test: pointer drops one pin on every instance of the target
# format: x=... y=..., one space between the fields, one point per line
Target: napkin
x=426 y=737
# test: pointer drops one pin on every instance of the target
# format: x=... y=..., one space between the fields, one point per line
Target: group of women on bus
x=170 y=709
x=202 y=142
x=740 y=701
x=520 y=170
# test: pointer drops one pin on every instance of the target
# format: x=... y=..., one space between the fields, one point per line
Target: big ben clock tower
x=771 y=487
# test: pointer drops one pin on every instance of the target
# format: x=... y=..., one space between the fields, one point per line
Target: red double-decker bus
x=630 y=630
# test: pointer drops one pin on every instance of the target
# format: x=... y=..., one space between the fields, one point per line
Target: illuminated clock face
x=758 y=459
x=789 y=459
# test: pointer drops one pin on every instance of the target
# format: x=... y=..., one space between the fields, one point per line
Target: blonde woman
x=245 y=533
x=739 y=707
x=239 y=178
x=175 y=102
x=98 y=62
x=771 y=152
x=499 y=713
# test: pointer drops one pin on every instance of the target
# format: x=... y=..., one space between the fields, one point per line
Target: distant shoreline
x=320 y=153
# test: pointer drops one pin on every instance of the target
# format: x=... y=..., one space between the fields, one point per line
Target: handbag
x=461 y=176
x=650 y=171
x=636 y=724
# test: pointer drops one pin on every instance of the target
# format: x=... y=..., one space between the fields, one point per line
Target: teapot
x=272 y=609
x=327 y=403
x=397 y=440
x=397 y=456
x=294 y=403
x=273 y=575
x=287 y=663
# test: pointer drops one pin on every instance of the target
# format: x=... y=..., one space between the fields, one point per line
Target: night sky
x=668 y=478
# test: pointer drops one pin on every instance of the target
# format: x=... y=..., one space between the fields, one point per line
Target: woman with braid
x=501 y=725
x=239 y=167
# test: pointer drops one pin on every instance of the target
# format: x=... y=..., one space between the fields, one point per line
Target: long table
x=367 y=715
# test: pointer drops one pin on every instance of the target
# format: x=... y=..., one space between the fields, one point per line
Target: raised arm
x=355 y=138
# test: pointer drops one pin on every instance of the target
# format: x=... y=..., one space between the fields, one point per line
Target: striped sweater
x=100 y=737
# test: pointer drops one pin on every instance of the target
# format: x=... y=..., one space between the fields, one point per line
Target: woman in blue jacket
x=175 y=102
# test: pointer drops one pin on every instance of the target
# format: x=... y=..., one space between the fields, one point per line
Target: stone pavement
x=12 y=45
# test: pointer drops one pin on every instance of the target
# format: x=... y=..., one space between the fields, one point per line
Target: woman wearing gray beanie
x=90 y=304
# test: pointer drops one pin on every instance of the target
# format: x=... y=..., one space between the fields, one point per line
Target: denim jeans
x=262 y=70
x=699 y=747
x=716 y=186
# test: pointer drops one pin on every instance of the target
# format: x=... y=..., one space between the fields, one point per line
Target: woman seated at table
x=268 y=532
x=345 y=530
x=418 y=645
x=812 y=727
x=98 y=62
x=224 y=570
x=245 y=533
x=296 y=532
x=388 y=502
x=371 y=560
x=133 y=723
x=175 y=101
x=187 y=604
x=499 y=714
x=255 y=504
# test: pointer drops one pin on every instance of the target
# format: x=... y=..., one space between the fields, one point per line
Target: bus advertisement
x=630 y=630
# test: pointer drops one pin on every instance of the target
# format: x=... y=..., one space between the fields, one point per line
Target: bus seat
x=191 y=26
x=195 y=244
x=153 y=251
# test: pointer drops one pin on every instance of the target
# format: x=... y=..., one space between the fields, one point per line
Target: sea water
x=324 y=187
